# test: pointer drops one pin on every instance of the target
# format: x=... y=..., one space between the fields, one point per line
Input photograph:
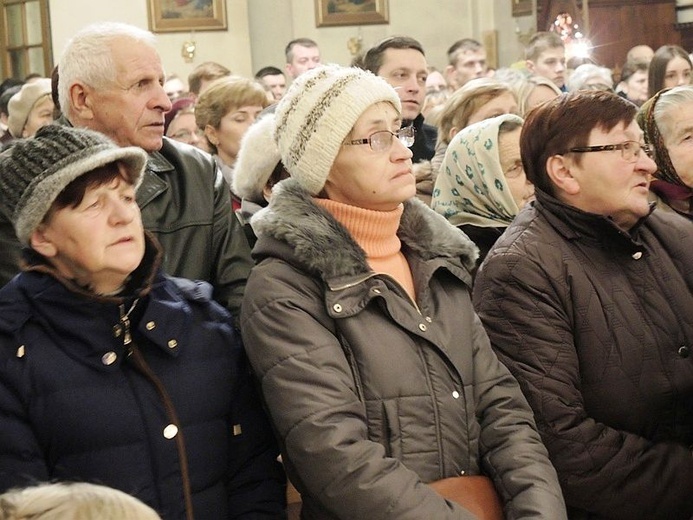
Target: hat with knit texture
x=34 y=171
x=316 y=114
x=20 y=105
x=257 y=158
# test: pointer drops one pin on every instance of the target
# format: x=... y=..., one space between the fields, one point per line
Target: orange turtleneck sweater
x=376 y=233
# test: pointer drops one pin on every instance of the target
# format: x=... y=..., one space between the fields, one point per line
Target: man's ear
x=560 y=171
x=41 y=243
x=452 y=133
x=449 y=73
x=529 y=64
x=81 y=101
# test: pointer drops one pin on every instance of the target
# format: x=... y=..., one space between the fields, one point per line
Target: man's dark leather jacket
x=185 y=203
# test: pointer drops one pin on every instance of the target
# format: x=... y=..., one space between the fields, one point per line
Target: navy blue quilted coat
x=172 y=411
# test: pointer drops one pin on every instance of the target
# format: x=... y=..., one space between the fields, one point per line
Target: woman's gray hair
x=587 y=71
x=87 y=57
x=669 y=100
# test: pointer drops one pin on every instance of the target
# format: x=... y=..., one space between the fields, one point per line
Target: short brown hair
x=373 y=59
x=465 y=101
x=566 y=122
x=207 y=71
x=541 y=42
x=460 y=47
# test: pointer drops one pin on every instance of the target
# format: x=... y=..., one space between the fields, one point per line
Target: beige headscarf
x=471 y=186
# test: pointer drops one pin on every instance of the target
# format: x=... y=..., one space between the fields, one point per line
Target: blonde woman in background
x=477 y=100
x=224 y=112
x=72 y=501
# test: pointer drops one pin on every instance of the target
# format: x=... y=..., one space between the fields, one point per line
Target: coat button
x=428 y=319
x=456 y=394
x=172 y=343
x=423 y=327
x=150 y=325
x=109 y=358
x=684 y=351
x=337 y=308
x=637 y=256
x=20 y=351
x=170 y=431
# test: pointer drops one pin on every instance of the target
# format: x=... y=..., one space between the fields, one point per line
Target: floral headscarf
x=471 y=186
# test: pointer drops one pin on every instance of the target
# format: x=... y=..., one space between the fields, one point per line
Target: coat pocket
x=392 y=429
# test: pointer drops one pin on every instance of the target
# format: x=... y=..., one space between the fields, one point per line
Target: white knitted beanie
x=20 y=105
x=317 y=113
x=257 y=158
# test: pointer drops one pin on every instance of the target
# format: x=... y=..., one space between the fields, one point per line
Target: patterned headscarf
x=471 y=186
x=653 y=137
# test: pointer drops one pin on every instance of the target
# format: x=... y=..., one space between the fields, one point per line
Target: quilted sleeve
x=601 y=469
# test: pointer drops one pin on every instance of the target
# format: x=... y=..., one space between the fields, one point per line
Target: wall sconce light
x=355 y=44
x=189 y=48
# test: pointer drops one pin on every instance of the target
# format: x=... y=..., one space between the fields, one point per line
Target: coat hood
x=323 y=245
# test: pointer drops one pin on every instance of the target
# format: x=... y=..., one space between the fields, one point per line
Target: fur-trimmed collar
x=324 y=246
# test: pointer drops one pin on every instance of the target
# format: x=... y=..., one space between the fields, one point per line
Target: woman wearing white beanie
x=30 y=109
x=357 y=319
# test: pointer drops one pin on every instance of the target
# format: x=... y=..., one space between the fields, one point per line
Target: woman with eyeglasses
x=180 y=124
x=376 y=372
x=587 y=298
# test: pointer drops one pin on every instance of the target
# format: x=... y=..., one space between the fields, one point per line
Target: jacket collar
x=322 y=246
x=575 y=224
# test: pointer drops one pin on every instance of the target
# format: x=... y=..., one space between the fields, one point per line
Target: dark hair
x=55 y=79
x=566 y=122
x=303 y=42
x=268 y=71
x=633 y=66
x=10 y=83
x=658 y=66
x=373 y=58
x=5 y=98
x=73 y=194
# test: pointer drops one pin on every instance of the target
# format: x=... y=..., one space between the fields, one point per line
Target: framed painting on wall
x=522 y=7
x=186 y=15
x=350 y=12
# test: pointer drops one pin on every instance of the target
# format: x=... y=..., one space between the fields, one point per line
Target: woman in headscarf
x=665 y=120
x=482 y=184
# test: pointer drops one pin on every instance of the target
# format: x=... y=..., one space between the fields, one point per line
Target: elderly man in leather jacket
x=111 y=80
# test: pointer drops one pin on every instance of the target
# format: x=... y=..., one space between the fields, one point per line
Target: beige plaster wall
x=258 y=30
x=229 y=47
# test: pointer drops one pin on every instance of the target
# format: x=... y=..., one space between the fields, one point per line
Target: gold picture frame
x=350 y=12
x=186 y=15
x=522 y=7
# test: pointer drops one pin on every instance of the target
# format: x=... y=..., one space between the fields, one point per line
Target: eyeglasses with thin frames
x=381 y=140
x=630 y=150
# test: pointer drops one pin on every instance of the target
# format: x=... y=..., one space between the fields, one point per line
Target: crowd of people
x=387 y=290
